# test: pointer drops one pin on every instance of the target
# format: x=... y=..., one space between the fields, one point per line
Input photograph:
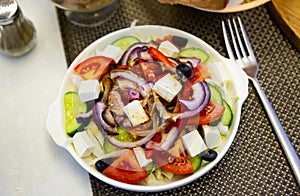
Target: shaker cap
x=8 y=11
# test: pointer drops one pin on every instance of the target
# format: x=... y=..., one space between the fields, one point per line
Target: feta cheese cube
x=111 y=51
x=168 y=49
x=141 y=157
x=83 y=144
x=136 y=113
x=167 y=87
x=212 y=136
x=88 y=90
x=193 y=143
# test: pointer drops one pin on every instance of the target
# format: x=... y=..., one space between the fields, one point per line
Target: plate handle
x=54 y=125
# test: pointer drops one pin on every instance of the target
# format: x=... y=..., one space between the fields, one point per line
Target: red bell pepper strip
x=160 y=56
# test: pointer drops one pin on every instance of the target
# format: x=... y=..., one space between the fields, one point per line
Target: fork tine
x=239 y=38
x=227 y=44
x=237 y=52
x=246 y=40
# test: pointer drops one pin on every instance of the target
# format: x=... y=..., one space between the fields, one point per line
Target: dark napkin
x=255 y=163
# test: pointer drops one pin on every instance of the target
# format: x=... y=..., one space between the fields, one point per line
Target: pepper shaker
x=17 y=33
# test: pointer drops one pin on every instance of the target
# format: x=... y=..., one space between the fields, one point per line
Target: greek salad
x=145 y=112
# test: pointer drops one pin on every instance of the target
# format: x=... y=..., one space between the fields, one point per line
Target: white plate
x=239 y=87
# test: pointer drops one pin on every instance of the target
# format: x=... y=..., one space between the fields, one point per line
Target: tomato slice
x=176 y=165
x=94 y=67
x=211 y=113
x=126 y=169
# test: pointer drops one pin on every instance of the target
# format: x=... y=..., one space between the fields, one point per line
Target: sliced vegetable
x=205 y=93
x=216 y=95
x=135 y=52
x=228 y=115
x=212 y=112
x=196 y=162
x=160 y=56
x=175 y=165
x=126 y=169
x=167 y=143
x=197 y=97
x=125 y=42
x=194 y=52
x=93 y=67
x=73 y=106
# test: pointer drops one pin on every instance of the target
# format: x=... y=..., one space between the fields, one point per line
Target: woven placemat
x=255 y=163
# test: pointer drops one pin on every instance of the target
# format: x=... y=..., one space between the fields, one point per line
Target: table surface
x=254 y=164
x=31 y=163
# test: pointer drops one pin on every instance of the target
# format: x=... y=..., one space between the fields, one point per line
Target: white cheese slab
x=136 y=113
x=88 y=90
x=83 y=144
x=212 y=136
x=193 y=143
x=168 y=49
x=167 y=87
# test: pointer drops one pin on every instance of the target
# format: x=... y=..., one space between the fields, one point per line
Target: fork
x=246 y=59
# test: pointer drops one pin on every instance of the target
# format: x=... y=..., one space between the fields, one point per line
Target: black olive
x=183 y=69
x=179 y=41
x=209 y=155
x=101 y=165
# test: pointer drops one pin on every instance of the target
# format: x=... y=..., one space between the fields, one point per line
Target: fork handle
x=288 y=149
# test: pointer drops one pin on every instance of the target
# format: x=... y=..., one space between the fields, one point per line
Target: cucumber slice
x=194 y=52
x=123 y=136
x=228 y=115
x=196 y=162
x=73 y=106
x=125 y=42
x=216 y=95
